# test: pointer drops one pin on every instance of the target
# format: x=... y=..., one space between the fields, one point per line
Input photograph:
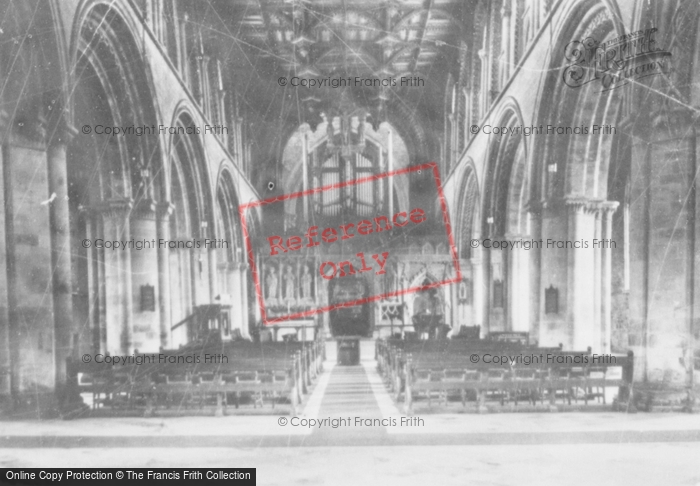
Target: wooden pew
x=258 y=369
x=425 y=367
x=392 y=355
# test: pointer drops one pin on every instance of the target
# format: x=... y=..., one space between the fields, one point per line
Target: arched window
x=466 y=215
x=227 y=221
x=463 y=104
x=187 y=222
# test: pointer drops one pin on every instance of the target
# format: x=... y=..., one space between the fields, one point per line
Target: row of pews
x=214 y=376
x=490 y=370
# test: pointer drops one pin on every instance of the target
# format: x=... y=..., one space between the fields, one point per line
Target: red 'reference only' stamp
x=359 y=231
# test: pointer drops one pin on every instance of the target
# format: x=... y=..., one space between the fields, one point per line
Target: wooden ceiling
x=345 y=38
x=356 y=36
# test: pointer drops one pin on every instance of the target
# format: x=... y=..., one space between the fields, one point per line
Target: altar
x=293 y=330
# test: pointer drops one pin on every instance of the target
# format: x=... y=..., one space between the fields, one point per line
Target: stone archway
x=570 y=194
x=504 y=218
x=115 y=185
x=192 y=268
x=231 y=262
x=467 y=297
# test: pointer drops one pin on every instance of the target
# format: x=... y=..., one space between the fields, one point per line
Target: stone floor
x=494 y=449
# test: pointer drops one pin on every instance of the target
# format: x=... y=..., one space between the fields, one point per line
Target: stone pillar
x=117 y=269
x=5 y=325
x=221 y=103
x=184 y=51
x=305 y=169
x=95 y=270
x=203 y=94
x=390 y=167
x=518 y=300
x=598 y=331
x=639 y=252
x=484 y=94
x=157 y=20
x=494 y=48
x=458 y=316
x=511 y=274
x=59 y=221
x=31 y=244
x=608 y=208
x=206 y=86
x=245 y=331
x=258 y=298
x=212 y=273
x=523 y=279
x=234 y=275
x=239 y=152
x=144 y=273
x=13 y=356
x=486 y=288
x=163 y=212
x=580 y=302
x=663 y=259
x=535 y=215
x=454 y=130
x=506 y=64
x=478 y=304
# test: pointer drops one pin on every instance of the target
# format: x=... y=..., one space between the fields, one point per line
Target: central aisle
x=348 y=396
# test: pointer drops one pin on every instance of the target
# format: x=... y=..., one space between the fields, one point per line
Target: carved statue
x=289 y=284
x=306 y=281
x=271 y=286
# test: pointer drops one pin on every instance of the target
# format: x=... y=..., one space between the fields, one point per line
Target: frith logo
x=615 y=63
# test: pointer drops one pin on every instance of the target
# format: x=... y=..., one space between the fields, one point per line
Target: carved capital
x=609 y=206
x=226 y=266
x=576 y=204
x=33 y=129
x=66 y=132
x=164 y=210
x=145 y=209
x=593 y=207
x=536 y=207
x=112 y=208
x=62 y=133
x=4 y=121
